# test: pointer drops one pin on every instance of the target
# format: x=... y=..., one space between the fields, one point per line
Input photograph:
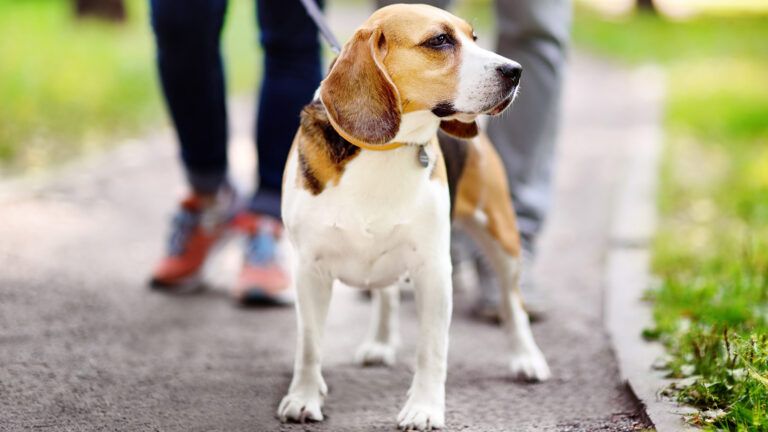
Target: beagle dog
x=386 y=156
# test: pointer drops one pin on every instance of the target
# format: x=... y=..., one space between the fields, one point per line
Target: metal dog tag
x=423 y=157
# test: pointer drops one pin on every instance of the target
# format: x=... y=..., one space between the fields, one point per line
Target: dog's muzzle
x=509 y=77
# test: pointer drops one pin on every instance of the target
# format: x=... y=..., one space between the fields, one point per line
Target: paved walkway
x=85 y=346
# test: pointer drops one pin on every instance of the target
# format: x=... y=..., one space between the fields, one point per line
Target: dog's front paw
x=372 y=353
x=301 y=406
x=530 y=366
x=421 y=416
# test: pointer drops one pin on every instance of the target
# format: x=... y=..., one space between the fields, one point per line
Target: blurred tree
x=112 y=10
x=646 y=5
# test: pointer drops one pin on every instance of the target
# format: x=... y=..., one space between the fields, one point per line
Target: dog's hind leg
x=484 y=207
x=527 y=360
x=305 y=396
x=381 y=343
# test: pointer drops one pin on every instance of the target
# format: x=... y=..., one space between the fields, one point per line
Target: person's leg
x=191 y=74
x=292 y=73
x=535 y=34
x=192 y=78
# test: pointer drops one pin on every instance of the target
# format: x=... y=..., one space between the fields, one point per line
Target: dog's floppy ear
x=362 y=101
x=459 y=129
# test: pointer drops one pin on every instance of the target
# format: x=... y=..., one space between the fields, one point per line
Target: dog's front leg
x=304 y=400
x=425 y=408
x=381 y=342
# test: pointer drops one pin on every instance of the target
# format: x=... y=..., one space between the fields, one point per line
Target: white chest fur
x=384 y=218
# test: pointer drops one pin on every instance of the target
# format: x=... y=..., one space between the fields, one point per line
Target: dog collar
x=422 y=156
x=361 y=144
x=380 y=147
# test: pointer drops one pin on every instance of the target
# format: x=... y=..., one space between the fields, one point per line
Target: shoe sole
x=187 y=285
x=258 y=298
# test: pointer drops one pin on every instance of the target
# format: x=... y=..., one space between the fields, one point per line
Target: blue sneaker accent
x=183 y=224
x=262 y=246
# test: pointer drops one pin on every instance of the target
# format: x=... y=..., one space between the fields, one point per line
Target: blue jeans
x=187 y=33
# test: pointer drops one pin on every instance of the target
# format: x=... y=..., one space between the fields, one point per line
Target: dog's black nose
x=511 y=72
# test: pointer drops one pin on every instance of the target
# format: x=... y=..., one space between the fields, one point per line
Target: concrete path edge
x=627 y=270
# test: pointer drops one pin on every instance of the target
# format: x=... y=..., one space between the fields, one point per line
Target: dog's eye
x=439 y=41
x=474 y=36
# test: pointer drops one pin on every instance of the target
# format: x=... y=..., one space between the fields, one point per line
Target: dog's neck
x=418 y=127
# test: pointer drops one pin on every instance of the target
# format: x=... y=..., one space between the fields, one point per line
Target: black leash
x=317 y=16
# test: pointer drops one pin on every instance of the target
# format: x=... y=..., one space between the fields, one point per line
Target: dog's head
x=419 y=62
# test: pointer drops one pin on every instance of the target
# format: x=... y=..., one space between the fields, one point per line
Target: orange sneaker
x=195 y=229
x=263 y=279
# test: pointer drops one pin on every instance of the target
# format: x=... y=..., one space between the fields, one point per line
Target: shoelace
x=262 y=245
x=182 y=225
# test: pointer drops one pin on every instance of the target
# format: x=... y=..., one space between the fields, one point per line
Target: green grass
x=711 y=250
x=69 y=85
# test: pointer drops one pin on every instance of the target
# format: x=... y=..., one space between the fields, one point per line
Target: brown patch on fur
x=483 y=186
x=388 y=69
x=361 y=100
x=322 y=152
x=391 y=45
x=459 y=129
x=424 y=76
x=311 y=182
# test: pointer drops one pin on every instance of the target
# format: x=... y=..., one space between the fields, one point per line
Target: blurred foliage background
x=68 y=84
x=711 y=250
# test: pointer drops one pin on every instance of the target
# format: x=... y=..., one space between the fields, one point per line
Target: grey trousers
x=535 y=34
